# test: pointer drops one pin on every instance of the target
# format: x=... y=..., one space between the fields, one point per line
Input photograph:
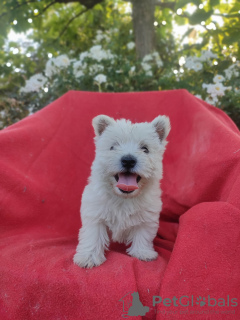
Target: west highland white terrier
x=122 y=200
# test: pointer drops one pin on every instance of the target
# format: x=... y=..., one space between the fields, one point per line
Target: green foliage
x=199 y=15
x=12 y=110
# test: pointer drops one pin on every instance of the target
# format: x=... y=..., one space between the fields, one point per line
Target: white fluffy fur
x=106 y=211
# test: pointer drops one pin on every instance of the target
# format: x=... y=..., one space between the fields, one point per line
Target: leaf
x=235 y=8
x=98 y=7
x=182 y=3
x=200 y=15
x=214 y=3
x=231 y=38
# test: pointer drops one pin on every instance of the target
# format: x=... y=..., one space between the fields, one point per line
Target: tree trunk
x=143 y=19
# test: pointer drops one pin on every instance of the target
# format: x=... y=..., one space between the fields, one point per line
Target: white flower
x=157 y=58
x=3 y=113
x=218 y=78
x=193 y=63
x=228 y=74
x=54 y=64
x=130 y=45
x=153 y=57
x=95 y=68
x=77 y=69
x=99 y=54
x=83 y=55
x=50 y=68
x=146 y=66
x=96 y=50
x=77 y=64
x=147 y=57
x=62 y=61
x=159 y=63
x=133 y=69
x=114 y=30
x=212 y=101
x=198 y=96
x=216 y=89
x=207 y=55
x=149 y=73
x=78 y=73
x=100 y=78
x=100 y=36
x=231 y=71
x=35 y=83
x=182 y=61
x=189 y=61
x=197 y=66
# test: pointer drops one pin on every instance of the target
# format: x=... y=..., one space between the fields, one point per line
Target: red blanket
x=45 y=162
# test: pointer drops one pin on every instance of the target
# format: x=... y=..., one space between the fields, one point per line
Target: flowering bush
x=209 y=76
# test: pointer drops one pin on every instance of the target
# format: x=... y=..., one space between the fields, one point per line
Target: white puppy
x=123 y=198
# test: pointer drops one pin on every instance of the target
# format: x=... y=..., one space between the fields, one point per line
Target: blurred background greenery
x=49 y=47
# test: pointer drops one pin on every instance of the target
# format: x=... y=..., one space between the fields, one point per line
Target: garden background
x=49 y=47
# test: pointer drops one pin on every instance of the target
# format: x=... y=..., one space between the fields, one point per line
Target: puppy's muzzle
x=128 y=162
x=127 y=179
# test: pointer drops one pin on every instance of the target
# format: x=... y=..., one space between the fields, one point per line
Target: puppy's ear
x=100 y=123
x=162 y=126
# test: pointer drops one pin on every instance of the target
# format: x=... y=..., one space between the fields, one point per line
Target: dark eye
x=145 y=149
x=115 y=144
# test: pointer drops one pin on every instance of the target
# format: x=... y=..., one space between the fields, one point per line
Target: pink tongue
x=127 y=182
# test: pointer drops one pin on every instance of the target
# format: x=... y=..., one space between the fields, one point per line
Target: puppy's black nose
x=128 y=162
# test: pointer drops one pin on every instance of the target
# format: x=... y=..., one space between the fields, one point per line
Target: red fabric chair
x=45 y=162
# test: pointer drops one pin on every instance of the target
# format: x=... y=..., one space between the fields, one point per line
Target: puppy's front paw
x=145 y=254
x=88 y=261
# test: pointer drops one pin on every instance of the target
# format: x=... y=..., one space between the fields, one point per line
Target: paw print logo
x=201 y=301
